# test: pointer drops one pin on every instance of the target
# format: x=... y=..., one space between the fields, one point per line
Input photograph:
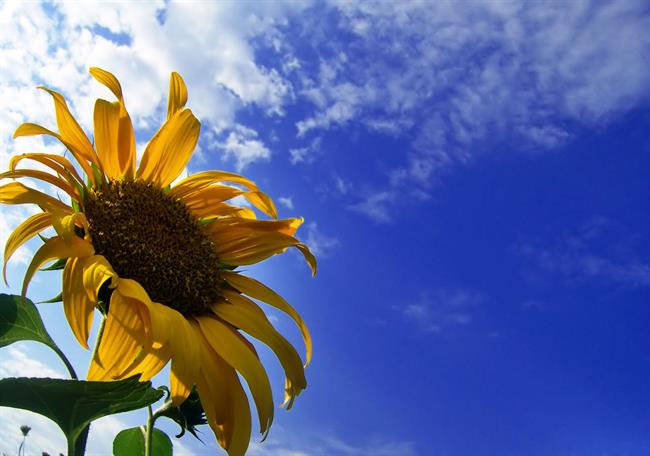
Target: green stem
x=148 y=436
x=100 y=333
x=78 y=447
x=68 y=365
x=151 y=420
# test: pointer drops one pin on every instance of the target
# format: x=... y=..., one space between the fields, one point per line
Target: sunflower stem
x=148 y=436
x=68 y=365
x=100 y=333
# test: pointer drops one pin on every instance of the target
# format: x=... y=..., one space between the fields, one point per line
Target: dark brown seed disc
x=151 y=237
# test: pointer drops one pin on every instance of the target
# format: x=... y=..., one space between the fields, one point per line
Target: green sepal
x=56 y=266
x=57 y=298
x=189 y=415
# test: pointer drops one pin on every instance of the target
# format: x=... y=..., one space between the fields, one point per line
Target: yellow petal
x=24 y=232
x=209 y=199
x=244 y=314
x=53 y=248
x=215 y=394
x=224 y=401
x=96 y=271
x=241 y=433
x=258 y=290
x=106 y=78
x=30 y=129
x=149 y=362
x=170 y=149
x=121 y=341
x=184 y=340
x=46 y=177
x=57 y=163
x=250 y=250
x=229 y=345
x=177 y=94
x=198 y=181
x=70 y=131
x=66 y=224
x=17 y=193
x=124 y=158
x=162 y=318
x=106 y=126
x=76 y=305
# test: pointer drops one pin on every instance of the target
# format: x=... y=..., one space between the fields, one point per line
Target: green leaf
x=130 y=442
x=73 y=404
x=189 y=415
x=20 y=320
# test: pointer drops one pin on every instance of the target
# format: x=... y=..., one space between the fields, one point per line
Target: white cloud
x=243 y=145
x=437 y=310
x=306 y=154
x=459 y=81
x=286 y=201
x=376 y=206
x=600 y=249
x=320 y=244
x=282 y=443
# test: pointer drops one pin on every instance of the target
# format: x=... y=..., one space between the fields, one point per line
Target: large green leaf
x=73 y=404
x=19 y=320
x=130 y=442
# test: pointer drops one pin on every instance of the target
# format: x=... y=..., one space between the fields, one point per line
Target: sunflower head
x=163 y=258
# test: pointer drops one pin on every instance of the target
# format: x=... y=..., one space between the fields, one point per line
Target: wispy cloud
x=437 y=310
x=456 y=80
x=286 y=201
x=281 y=443
x=320 y=244
x=599 y=249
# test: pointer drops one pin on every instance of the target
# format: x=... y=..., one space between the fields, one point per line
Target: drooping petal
x=244 y=314
x=56 y=247
x=214 y=393
x=124 y=158
x=30 y=129
x=23 y=233
x=224 y=401
x=121 y=341
x=70 y=131
x=170 y=149
x=66 y=224
x=199 y=181
x=184 y=341
x=57 y=163
x=210 y=198
x=246 y=249
x=258 y=290
x=177 y=94
x=45 y=177
x=96 y=271
x=148 y=363
x=78 y=308
x=17 y=193
x=229 y=345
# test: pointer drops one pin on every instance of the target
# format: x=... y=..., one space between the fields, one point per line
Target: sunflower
x=161 y=261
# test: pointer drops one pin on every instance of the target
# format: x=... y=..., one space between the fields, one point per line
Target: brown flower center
x=151 y=237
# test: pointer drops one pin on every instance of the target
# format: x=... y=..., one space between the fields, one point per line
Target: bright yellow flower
x=166 y=256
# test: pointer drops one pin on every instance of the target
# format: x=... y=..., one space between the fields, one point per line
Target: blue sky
x=474 y=182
